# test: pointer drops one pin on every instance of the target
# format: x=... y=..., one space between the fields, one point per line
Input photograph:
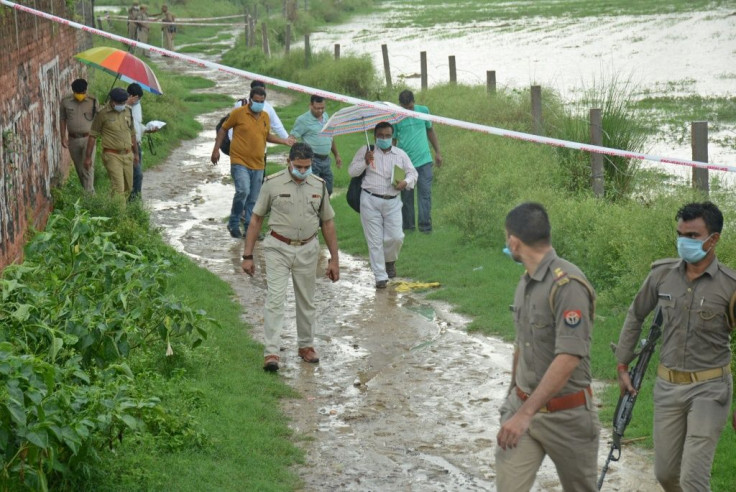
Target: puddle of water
x=403 y=398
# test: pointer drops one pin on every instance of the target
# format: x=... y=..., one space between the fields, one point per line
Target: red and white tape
x=526 y=137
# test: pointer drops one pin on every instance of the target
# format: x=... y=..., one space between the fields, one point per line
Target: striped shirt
x=377 y=178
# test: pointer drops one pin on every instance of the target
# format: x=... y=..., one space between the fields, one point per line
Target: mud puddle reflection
x=403 y=398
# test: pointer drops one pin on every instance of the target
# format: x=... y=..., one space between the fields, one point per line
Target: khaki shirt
x=296 y=208
x=78 y=115
x=695 y=328
x=116 y=128
x=142 y=16
x=542 y=332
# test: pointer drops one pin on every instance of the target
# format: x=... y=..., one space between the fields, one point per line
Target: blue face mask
x=691 y=250
x=119 y=107
x=256 y=107
x=507 y=252
x=300 y=175
x=383 y=143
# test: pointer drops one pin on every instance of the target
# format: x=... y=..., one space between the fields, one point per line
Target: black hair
x=79 y=86
x=406 y=97
x=257 y=91
x=708 y=211
x=135 y=89
x=300 y=151
x=316 y=99
x=530 y=223
x=257 y=83
x=383 y=124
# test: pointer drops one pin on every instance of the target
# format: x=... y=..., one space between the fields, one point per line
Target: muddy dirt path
x=403 y=398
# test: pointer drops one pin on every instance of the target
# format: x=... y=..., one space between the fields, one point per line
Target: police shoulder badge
x=572 y=317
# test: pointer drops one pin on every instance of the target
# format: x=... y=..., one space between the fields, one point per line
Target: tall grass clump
x=621 y=130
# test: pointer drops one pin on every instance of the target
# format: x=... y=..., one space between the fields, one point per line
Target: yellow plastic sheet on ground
x=402 y=286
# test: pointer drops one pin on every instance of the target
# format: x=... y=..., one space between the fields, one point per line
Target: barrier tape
x=525 y=137
x=238 y=16
x=176 y=22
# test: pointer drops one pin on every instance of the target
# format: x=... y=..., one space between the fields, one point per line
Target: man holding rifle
x=694 y=386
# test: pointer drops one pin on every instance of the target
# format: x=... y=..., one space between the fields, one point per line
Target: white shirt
x=377 y=178
x=138 y=121
x=276 y=126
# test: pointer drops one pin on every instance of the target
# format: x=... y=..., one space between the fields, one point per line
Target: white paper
x=154 y=125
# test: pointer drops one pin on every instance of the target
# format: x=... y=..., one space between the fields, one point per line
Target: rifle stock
x=625 y=406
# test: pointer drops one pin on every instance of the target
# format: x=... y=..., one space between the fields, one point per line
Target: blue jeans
x=321 y=167
x=137 y=176
x=424 y=201
x=247 y=187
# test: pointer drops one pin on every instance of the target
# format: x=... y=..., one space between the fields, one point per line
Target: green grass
x=428 y=13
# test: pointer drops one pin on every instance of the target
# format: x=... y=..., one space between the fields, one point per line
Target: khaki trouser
x=283 y=260
x=143 y=38
x=168 y=39
x=120 y=171
x=688 y=420
x=569 y=438
x=77 y=149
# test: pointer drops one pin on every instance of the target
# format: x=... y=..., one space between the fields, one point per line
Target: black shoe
x=391 y=269
x=235 y=232
x=381 y=284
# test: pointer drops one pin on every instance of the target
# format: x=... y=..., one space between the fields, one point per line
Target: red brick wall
x=36 y=70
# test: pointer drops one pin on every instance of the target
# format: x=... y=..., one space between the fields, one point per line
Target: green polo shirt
x=307 y=128
x=411 y=137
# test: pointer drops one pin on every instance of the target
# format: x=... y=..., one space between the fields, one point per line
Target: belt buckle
x=294 y=242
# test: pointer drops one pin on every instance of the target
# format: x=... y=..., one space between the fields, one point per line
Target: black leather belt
x=385 y=197
x=78 y=135
x=321 y=156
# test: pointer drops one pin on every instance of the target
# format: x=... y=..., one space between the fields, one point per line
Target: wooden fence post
x=453 y=70
x=596 y=159
x=337 y=51
x=287 y=38
x=386 y=65
x=251 y=31
x=307 y=50
x=699 y=131
x=264 y=37
x=491 y=81
x=423 y=64
x=537 y=109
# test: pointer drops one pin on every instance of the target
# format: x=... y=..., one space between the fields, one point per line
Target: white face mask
x=119 y=107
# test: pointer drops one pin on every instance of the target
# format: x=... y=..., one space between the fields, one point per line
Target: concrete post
x=699 y=131
x=596 y=159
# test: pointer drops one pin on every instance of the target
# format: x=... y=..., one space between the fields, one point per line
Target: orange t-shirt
x=250 y=131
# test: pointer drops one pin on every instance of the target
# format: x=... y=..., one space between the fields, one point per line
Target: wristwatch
x=247 y=257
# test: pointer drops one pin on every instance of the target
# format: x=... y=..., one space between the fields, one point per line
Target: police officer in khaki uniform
x=693 y=389
x=549 y=409
x=143 y=28
x=297 y=202
x=133 y=12
x=77 y=112
x=114 y=123
x=168 y=27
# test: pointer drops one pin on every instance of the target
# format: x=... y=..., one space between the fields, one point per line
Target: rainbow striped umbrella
x=355 y=119
x=122 y=65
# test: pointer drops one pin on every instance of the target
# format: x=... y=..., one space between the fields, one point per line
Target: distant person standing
x=380 y=204
x=307 y=127
x=133 y=12
x=414 y=136
x=168 y=27
x=114 y=123
x=77 y=113
x=143 y=28
x=251 y=125
x=295 y=202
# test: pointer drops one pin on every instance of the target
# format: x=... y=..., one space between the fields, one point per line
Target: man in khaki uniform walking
x=549 y=409
x=76 y=114
x=114 y=123
x=694 y=386
x=297 y=202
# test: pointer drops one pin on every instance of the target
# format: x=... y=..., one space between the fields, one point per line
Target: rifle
x=625 y=407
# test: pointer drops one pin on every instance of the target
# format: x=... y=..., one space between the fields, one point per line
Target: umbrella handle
x=108 y=92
